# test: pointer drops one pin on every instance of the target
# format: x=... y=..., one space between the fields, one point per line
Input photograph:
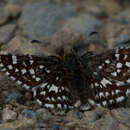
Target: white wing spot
x=112 y=93
x=107 y=94
x=119 y=83
x=107 y=61
x=31 y=62
x=1 y=65
x=127 y=92
x=16 y=70
x=23 y=71
x=65 y=106
x=39 y=102
x=57 y=78
x=53 y=88
x=117 y=50
x=51 y=106
x=64 y=97
x=4 y=69
x=10 y=67
x=12 y=78
x=59 y=106
x=119 y=99
x=43 y=93
x=118 y=70
x=7 y=73
x=33 y=76
x=104 y=103
x=128 y=81
x=59 y=98
x=127 y=64
x=100 y=67
x=114 y=74
x=99 y=105
x=92 y=86
x=32 y=71
x=48 y=99
x=91 y=101
x=117 y=91
x=41 y=66
x=125 y=57
x=62 y=88
x=119 y=65
x=117 y=56
x=48 y=71
x=38 y=79
x=78 y=103
x=101 y=94
x=14 y=59
x=111 y=101
x=96 y=84
x=43 y=85
x=25 y=86
x=104 y=82
x=18 y=82
x=53 y=99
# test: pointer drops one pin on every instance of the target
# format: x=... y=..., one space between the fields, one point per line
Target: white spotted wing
x=110 y=79
x=42 y=75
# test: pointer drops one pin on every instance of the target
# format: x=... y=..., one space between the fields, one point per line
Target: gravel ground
x=42 y=27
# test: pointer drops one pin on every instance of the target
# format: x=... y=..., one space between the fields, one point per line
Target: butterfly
x=71 y=80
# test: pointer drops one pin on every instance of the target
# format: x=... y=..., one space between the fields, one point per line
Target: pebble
x=8 y=115
x=43 y=115
x=14 y=96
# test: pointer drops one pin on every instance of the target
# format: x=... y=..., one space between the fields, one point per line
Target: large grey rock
x=41 y=20
x=86 y=25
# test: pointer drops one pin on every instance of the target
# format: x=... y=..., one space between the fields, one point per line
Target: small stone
x=75 y=114
x=8 y=115
x=94 y=115
x=43 y=115
x=14 y=96
x=27 y=114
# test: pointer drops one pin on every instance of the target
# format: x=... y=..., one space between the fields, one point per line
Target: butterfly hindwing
x=113 y=71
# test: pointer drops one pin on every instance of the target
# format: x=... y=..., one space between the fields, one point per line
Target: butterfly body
x=68 y=81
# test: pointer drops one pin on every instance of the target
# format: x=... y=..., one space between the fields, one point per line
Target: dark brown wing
x=108 y=77
x=43 y=75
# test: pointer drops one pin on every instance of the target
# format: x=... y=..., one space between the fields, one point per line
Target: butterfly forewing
x=110 y=81
x=43 y=75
